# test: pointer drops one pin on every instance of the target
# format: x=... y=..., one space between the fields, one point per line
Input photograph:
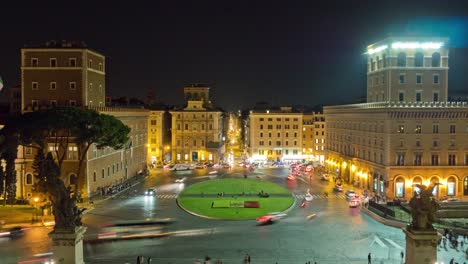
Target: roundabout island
x=234 y=199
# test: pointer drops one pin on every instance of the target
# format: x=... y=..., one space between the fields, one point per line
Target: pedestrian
x=248 y=258
x=451 y=261
x=369 y=258
x=149 y=260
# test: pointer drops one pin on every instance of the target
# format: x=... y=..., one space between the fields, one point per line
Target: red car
x=226 y=166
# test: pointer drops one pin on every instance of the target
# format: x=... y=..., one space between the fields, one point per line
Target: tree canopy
x=60 y=127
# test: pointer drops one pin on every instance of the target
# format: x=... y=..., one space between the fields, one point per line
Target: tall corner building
x=408 y=132
x=70 y=74
x=62 y=73
x=197 y=129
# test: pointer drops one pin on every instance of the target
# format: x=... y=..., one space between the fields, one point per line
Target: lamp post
x=36 y=199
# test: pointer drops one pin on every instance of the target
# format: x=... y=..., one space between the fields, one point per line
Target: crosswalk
x=158 y=196
x=321 y=196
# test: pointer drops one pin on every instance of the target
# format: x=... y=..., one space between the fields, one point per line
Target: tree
x=50 y=132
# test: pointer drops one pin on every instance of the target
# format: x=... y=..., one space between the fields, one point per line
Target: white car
x=350 y=194
x=150 y=192
x=181 y=180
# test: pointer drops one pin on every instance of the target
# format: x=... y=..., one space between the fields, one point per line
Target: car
x=324 y=177
x=308 y=197
x=270 y=217
x=179 y=167
x=150 y=192
x=226 y=166
x=350 y=194
x=180 y=180
x=12 y=232
x=354 y=203
x=278 y=215
x=200 y=166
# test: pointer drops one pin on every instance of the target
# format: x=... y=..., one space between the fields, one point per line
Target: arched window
x=435 y=191
x=382 y=185
x=401 y=60
x=73 y=179
x=465 y=186
x=384 y=60
x=417 y=181
x=188 y=96
x=378 y=65
x=418 y=59
x=451 y=186
x=29 y=179
x=400 y=187
x=372 y=64
x=436 y=59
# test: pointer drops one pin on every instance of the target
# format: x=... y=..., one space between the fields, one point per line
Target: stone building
x=70 y=74
x=407 y=133
x=197 y=129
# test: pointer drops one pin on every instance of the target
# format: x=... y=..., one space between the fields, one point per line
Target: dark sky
x=283 y=52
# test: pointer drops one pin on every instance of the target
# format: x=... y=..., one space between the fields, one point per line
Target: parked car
x=200 y=166
x=179 y=167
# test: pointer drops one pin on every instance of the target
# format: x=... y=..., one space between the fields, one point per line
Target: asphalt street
x=338 y=234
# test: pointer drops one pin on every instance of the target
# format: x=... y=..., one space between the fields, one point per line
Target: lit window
x=53 y=86
x=435 y=79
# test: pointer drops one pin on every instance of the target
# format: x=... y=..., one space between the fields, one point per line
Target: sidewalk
x=23 y=215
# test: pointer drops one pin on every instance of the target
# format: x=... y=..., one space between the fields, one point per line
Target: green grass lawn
x=235 y=186
x=202 y=205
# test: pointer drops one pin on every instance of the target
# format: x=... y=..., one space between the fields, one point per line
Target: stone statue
x=423 y=208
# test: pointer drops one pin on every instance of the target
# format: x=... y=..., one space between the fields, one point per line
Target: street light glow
x=417 y=45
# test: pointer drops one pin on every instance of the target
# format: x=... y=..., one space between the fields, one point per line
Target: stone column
x=421 y=246
x=68 y=245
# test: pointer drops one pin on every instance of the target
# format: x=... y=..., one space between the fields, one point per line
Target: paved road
x=338 y=234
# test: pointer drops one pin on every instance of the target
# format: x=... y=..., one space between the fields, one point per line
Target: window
x=435 y=143
x=435 y=128
x=72 y=85
x=278 y=143
x=400 y=187
x=278 y=119
x=278 y=126
x=53 y=103
x=269 y=143
x=261 y=126
x=452 y=160
x=435 y=160
x=261 y=134
x=35 y=86
x=185 y=126
x=72 y=62
x=402 y=78
x=418 y=96
x=435 y=97
x=401 y=59
x=261 y=143
x=210 y=126
x=418 y=129
x=466 y=159
x=94 y=176
x=417 y=159
x=451 y=186
x=34 y=62
x=401 y=129
x=452 y=129
x=278 y=134
x=194 y=142
x=29 y=179
x=435 y=79
x=400 y=159
x=261 y=119
x=108 y=171
x=269 y=134
x=270 y=126
x=102 y=173
x=418 y=59
x=90 y=63
x=53 y=62
x=436 y=59
x=100 y=67
x=53 y=86
x=401 y=96
x=418 y=78
x=153 y=122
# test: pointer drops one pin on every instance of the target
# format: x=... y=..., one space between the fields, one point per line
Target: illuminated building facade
x=407 y=133
x=70 y=74
x=275 y=135
x=156 y=130
x=313 y=137
x=197 y=129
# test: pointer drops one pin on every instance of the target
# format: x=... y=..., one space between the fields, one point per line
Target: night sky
x=282 y=52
